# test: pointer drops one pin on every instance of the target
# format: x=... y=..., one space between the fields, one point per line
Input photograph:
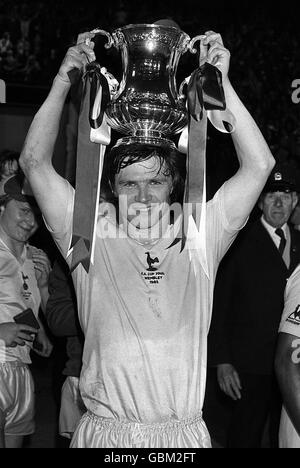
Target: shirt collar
x=272 y=229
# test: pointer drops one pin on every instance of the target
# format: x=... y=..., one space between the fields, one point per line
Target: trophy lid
x=167 y=22
x=158 y=25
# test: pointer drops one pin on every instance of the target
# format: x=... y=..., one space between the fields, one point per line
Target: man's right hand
x=229 y=381
x=77 y=56
x=14 y=334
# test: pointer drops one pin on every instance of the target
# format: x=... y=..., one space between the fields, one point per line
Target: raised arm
x=287 y=366
x=255 y=158
x=49 y=188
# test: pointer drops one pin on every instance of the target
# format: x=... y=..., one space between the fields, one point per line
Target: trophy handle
x=112 y=82
x=110 y=41
x=184 y=82
x=193 y=41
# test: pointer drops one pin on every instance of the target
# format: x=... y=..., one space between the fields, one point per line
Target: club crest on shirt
x=294 y=317
x=25 y=279
x=26 y=293
x=151 y=261
x=151 y=274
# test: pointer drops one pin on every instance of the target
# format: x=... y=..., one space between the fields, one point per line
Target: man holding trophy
x=145 y=294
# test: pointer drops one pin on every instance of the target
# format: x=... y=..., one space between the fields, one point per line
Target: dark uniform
x=248 y=303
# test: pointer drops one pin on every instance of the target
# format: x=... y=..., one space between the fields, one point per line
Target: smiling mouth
x=144 y=210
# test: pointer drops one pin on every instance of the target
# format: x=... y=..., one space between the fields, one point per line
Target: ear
x=295 y=199
x=260 y=202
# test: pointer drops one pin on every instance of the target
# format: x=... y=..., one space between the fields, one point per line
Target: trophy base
x=146 y=140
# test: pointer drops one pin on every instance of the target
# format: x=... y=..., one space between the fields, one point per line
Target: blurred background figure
x=62 y=319
x=24 y=272
x=287 y=364
x=9 y=166
x=248 y=303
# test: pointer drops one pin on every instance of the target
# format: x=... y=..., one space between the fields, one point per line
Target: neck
x=272 y=225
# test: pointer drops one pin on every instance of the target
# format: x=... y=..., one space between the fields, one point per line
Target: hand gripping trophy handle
x=112 y=81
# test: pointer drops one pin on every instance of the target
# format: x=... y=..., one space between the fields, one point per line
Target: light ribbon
x=205 y=100
x=93 y=137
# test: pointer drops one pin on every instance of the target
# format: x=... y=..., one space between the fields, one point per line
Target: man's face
x=9 y=169
x=18 y=221
x=143 y=192
x=277 y=207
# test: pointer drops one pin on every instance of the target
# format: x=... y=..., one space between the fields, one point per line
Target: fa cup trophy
x=146 y=106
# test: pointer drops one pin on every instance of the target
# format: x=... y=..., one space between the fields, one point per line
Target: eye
x=155 y=182
x=129 y=184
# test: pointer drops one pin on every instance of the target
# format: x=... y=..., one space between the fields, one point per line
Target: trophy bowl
x=146 y=106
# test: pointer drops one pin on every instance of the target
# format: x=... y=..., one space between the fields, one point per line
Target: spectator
x=287 y=364
x=248 y=302
x=9 y=166
x=62 y=319
x=5 y=43
x=24 y=274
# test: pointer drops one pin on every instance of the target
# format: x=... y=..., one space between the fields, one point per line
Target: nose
x=143 y=195
x=278 y=201
x=30 y=219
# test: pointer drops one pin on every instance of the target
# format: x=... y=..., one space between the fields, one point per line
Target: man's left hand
x=213 y=51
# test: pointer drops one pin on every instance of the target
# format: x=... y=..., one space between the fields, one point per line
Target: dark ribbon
x=87 y=168
x=204 y=92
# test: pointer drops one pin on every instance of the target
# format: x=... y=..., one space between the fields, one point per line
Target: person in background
x=287 y=364
x=9 y=166
x=24 y=272
x=248 y=302
x=62 y=318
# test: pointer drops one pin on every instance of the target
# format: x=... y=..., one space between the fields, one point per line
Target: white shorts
x=16 y=399
x=96 y=432
x=72 y=407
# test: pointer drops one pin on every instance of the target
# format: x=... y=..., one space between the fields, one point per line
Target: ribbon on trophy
x=93 y=137
x=205 y=95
